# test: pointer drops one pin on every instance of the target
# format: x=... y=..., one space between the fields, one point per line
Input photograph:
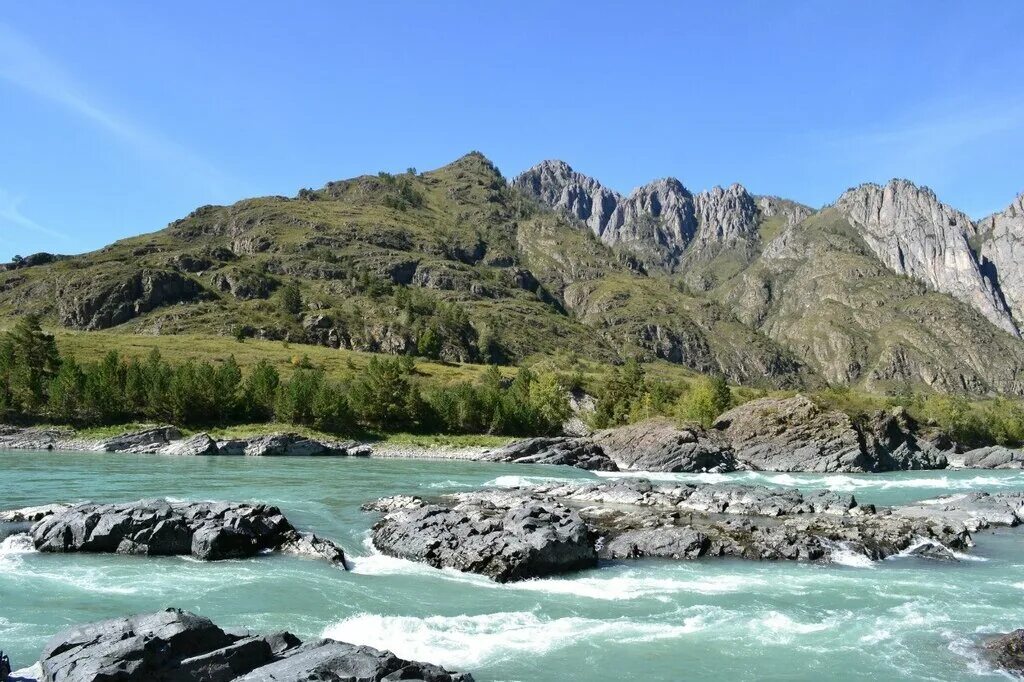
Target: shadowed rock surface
x=634 y=518
x=205 y=530
x=661 y=445
x=994 y=457
x=177 y=646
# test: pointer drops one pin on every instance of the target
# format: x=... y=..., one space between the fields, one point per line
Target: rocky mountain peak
x=556 y=184
x=726 y=215
x=792 y=211
x=1002 y=253
x=916 y=235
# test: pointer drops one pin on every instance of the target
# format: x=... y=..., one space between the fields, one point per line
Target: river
x=903 y=618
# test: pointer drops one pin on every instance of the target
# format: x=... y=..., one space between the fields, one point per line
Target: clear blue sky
x=120 y=117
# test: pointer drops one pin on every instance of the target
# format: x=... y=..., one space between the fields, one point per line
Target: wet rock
x=1007 y=652
x=527 y=540
x=575 y=452
x=205 y=530
x=177 y=646
x=5 y=667
x=672 y=542
x=661 y=445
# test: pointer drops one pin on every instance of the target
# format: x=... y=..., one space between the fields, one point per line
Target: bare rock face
x=1002 y=253
x=793 y=434
x=791 y=212
x=177 y=646
x=110 y=303
x=205 y=530
x=505 y=543
x=659 y=221
x=914 y=234
x=661 y=445
x=993 y=457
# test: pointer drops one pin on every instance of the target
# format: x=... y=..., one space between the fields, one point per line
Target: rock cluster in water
x=176 y=646
x=531 y=531
x=205 y=530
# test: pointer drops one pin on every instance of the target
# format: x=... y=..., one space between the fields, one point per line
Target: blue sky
x=120 y=117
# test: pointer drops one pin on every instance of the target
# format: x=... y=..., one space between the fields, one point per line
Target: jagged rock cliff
x=1002 y=253
x=914 y=234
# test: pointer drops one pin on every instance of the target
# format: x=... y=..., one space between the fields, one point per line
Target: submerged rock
x=505 y=543
x=177 y=646
x=1007 y=652
x=205 y=530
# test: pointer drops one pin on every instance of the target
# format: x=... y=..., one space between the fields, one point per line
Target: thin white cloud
x=25 y=66
x=12 y=217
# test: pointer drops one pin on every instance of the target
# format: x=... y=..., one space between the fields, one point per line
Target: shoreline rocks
x=205 y=530
x=632 y=519
x=169 y=440
x=177 y=646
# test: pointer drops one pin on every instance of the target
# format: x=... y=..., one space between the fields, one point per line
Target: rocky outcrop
x=993 y=457
x=1007 y=652
x=793 y=434
x=110 y=302
x=790 y=212
x=631 y=519
x=575 y=452
x=1002 y=253
x=975 y=511
x=168 y=440
x=914 y=234
x=205 y=530
x=658 y=221
x=177 y=646
x=505 y=543
x=662 y=445
x=891 y=441
x=5 y=667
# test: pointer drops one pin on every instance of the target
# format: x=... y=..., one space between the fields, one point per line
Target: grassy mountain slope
x=452 y=263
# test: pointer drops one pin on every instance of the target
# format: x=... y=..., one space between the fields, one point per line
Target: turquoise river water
x=900 y=619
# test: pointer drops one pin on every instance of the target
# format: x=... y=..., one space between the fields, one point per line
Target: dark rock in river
x=1007 y=652
x=634 y=518
x=528 y=540
x=660 y=445
x=5 y=667
x=205 y=530
x=176 y=646
x=147 y=440
x=575 y=452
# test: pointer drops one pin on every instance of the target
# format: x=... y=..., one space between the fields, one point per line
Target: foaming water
x=908 y=618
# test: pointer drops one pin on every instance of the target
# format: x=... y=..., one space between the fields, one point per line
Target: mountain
x=888 y=288
x=884 y=288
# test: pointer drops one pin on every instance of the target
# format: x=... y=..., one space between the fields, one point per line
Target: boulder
x=176 y=646
x=993 y=457
x=575 y=452
x=5 y=667
x=661 y=445
x=205 y=530
x=1007 y=652
x=671 y=542
x=146 y=440
x=198 y=445
x=793 y=434
x=527 y=540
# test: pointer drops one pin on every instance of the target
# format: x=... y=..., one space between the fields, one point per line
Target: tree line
x=38 y=383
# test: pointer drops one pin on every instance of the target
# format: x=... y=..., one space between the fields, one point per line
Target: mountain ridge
x=759 y=288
